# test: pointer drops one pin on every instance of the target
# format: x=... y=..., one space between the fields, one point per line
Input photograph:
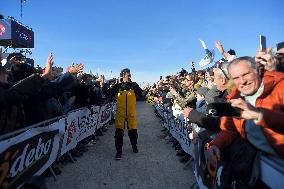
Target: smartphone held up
x=223 y=109
x=262 y=43
x=262 y=48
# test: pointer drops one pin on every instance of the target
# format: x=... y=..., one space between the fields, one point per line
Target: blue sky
x=151 y=37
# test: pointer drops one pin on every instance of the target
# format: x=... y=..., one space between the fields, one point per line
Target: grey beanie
x=202 y=91
x=211 y=94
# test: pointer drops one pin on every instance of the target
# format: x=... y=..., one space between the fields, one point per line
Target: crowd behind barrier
x=226 y=118
x=55 y=101
x=178 y=127
x=46 y=117
x=31 y=152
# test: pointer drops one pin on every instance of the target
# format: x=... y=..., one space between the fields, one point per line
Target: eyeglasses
x=220 y=67
x=227 y=77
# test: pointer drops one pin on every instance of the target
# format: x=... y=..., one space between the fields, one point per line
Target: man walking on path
x=125 y=93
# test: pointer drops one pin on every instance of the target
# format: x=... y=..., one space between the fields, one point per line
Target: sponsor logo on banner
x=28 y=154
x=71 y=131
x=105 y=114
x=87 y=122
x=80 y=124
x=179 y=129
x=70 y=136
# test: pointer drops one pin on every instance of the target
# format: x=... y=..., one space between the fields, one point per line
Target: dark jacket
x=12 y=115
x=123 y=86
x=36 y=107
x=199 y=116
x=205 y=121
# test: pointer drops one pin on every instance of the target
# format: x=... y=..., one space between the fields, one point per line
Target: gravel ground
x=155 y=166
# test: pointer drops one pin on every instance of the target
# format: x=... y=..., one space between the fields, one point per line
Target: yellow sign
x=150 y=100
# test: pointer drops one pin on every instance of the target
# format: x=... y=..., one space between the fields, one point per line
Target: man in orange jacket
x=261 y=101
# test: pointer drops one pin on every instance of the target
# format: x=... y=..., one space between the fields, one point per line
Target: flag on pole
x=209 y=55
x=203 y=44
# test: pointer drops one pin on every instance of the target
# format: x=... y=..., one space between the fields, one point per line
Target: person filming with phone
x=260 y=125
x=268 y=60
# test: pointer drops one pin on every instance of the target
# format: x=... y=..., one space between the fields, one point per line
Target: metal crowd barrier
x=30 y=151
x=271 y=168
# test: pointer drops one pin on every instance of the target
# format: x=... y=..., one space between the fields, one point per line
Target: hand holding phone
x=262 y=51
x=248 y=111
x=262 y=43
x=223 y=109
x=264 y=58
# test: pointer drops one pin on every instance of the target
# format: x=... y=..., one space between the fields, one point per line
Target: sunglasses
x=220 y=67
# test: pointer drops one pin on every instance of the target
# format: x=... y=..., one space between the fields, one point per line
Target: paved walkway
x=155 y=166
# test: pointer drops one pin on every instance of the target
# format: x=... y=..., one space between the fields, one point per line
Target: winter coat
x=271 y=104
x=12 y=115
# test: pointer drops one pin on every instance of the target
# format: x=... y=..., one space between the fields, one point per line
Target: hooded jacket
x=271 y=104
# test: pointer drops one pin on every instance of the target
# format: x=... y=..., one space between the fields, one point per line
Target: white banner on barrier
x=105 y=114
x=30 y=153
x=88 y=122
x=166 y=121
x=80 y=124
x=179 y=131
x=72 y=131
x=160 y=110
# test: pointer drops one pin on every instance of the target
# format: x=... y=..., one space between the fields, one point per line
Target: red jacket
x=271 y=103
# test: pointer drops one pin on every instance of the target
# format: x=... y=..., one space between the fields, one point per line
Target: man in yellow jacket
x=125 y=117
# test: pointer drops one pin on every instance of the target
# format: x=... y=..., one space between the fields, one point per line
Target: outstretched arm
x=138 y=91
x=109 y=91
x=222 y=51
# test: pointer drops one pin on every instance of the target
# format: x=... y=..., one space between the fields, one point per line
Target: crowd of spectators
x=30 y=95
x=250 y=85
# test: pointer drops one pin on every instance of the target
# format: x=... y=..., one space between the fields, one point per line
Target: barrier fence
x=30 y=151
x=271 y=169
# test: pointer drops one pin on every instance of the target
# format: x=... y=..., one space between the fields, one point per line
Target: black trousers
x=119 y=133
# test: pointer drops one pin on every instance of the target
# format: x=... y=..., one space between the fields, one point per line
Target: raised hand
x=79 y=68
x=266 y=59
x=48 y=66
x=248 y=111
x=219 y=47
x=76 y=68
